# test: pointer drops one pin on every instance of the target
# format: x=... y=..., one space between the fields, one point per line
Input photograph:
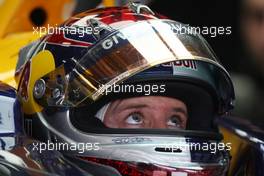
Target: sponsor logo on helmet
x=130 y=140
x=181 y=63
x=113 y=40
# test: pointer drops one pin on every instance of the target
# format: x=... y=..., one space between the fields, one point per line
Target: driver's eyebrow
x=181 y=110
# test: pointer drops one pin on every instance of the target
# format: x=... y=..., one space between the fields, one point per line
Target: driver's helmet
x=65 y=80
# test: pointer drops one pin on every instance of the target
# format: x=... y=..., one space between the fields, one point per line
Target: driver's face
x=147 y=112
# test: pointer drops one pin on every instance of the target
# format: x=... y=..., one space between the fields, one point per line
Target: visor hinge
x=39 y=89
x=139 y=8
x=103 y=29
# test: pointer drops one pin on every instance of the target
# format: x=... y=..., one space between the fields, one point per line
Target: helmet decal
x=24 y=83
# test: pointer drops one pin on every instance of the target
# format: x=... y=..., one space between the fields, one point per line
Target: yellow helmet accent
x=40 y=65
x=9 y=49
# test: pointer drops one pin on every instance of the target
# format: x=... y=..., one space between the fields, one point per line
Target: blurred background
x=241 y=51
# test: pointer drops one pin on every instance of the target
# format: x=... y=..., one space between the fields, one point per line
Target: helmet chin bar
x=167 y=151
x=150 y=169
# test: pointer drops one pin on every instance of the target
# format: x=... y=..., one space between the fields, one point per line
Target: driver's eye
x=134 y=119
x=174 y=121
